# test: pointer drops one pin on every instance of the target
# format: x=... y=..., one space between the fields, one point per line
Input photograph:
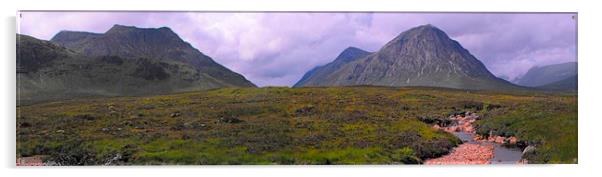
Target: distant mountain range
x=128 y=61
x=561 y=76
x=123 y=61
x=567 y=84
x=421 y=56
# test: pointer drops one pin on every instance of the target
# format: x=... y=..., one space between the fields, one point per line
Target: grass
x=549 y=123
x=277 y=125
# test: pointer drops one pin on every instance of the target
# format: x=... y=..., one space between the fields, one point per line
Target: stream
x=501 y=154
x=473 y=151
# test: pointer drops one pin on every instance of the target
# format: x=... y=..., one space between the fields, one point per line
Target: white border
x=589 y=85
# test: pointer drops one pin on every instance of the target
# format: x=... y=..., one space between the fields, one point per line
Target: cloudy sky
x=278 y=48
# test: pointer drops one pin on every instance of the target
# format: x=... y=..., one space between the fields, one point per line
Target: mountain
x=159 y=43
x=81 y=64
x=540 y=76
x=567 y=84
x=421 y=56
x=348 y=55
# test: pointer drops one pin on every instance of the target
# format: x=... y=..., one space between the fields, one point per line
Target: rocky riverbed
x=476 y=149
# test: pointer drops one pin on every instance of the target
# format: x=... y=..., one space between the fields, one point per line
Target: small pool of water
x=505 y=155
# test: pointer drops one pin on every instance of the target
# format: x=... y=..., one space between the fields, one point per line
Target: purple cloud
x=278 y=48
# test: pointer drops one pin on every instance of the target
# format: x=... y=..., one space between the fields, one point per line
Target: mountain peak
x=351 y=53
x=427 y=36
x=421 y=56
x=424 y=32
x=120 y=28
x=425 y=28
x=352 y=49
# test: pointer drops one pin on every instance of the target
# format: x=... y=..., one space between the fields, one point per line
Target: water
x=466 y=137
x=502 y=155
x=505 y=155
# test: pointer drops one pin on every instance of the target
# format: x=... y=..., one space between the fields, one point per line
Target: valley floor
x=339 y=125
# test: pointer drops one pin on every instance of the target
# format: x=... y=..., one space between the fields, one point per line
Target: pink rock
x=512 y=140
x=499 y=139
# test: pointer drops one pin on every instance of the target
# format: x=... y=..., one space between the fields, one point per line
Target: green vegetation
x=547 y=122
x=339 y=125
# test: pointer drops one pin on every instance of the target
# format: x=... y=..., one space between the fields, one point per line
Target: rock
x=105 y=129
x=229 y=119
x=478 y=137
x=452 y=129
x=116 y=158
x=512 y=140
x=499 y=139
x=175 y=114
x=529 y=149
x=469 y=129
x=60 y=131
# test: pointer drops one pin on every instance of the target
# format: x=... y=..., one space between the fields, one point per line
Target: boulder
x=512 y=140
x=499 y=139
x=529 y=149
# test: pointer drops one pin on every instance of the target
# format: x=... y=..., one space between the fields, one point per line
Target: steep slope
x=421 y=56
x=567 y=84
x=348 y=55
x=159 y=43
x=539 y=76
x=47 y=71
